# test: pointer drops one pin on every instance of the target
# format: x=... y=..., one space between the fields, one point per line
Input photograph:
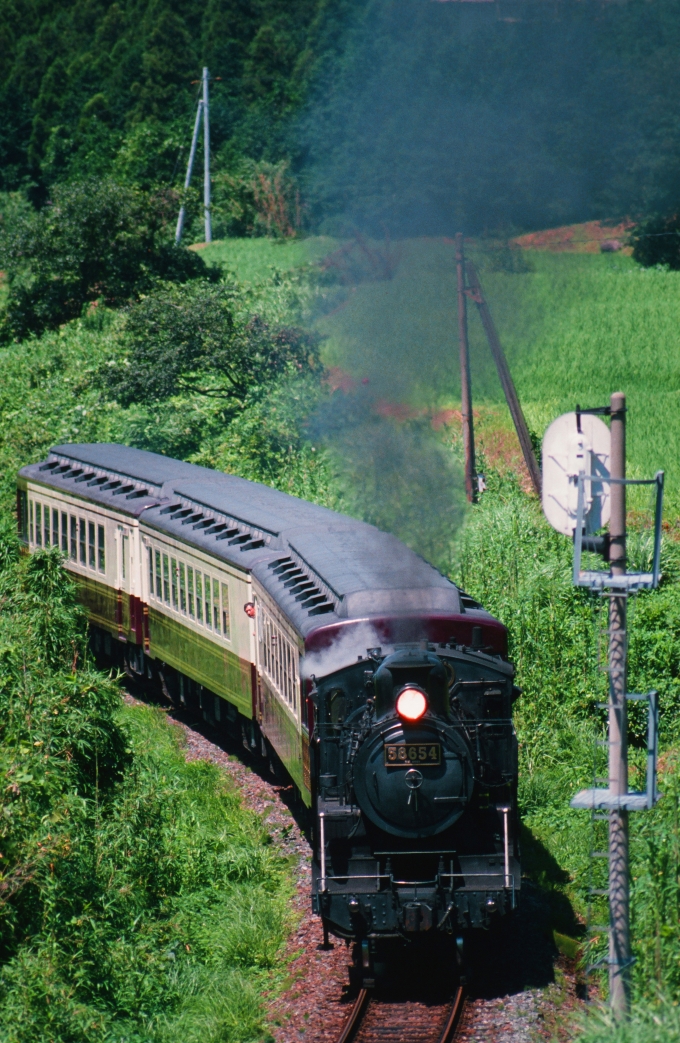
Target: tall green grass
x=138 y=899
x=521 y=570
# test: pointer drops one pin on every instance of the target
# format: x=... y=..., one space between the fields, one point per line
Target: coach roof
x=360 y=570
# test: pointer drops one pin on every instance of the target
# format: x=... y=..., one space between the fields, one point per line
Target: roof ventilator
x=253 y=545
x=124 y=490
x=301 y=587
x=171 y=508
x=137 y=494
x=225 y=532
x=86 y=477
x=196 y=516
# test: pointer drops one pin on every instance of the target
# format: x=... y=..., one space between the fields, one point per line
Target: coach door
x=124 y=577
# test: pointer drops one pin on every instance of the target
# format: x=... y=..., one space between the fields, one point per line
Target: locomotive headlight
x=411 y=704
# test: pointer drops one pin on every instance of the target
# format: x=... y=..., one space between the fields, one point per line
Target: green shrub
x=657 y=241
x=138 y=900
x=195 y=339
x=94 y=240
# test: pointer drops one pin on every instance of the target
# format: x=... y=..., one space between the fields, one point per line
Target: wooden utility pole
x=190 y=167
x=465 y=384
x=206 y=159
x=475 y=292
x=619 y=897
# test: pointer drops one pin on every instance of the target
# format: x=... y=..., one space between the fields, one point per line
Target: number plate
x=410 y=755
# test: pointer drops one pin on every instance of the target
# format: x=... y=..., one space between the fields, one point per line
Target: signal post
x=584 y=487
x=619 y=897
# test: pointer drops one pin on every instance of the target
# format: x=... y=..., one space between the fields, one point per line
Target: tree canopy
x=94 y=240
x=196 y=339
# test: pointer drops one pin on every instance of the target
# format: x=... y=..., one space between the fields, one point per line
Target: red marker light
x=411 y=704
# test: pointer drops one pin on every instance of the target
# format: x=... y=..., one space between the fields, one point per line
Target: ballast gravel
x=528 y=994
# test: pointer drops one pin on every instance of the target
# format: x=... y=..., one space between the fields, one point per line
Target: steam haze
x=445 y=117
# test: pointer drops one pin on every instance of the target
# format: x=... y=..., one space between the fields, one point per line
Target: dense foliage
x=137 y=899
x=193 y=340
x=95 y=241
x=419 y=117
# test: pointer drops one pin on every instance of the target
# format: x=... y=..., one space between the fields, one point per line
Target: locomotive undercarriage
x=361 y=892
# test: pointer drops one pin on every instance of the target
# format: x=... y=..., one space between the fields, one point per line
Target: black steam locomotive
x=417 y=776
x=383 y=690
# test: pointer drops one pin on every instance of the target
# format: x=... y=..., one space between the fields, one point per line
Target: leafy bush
x=95 y=240
x=195 y=339
x=256 y=198
x=657 y=241
x=138 y=900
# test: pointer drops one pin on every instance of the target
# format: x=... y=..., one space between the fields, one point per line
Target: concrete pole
x=190 y=167
x=619 y=897
x=206 y=158
x=465 y=384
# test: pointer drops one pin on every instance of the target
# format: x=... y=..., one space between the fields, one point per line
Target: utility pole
x=206 y=158
x=190 y=167
x=465 y=384
x=619 y=897
x=511 y=397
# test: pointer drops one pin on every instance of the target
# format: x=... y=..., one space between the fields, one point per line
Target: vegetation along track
x=374 y=1020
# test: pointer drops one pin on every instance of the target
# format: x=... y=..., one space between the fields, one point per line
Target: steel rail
x=362 y=1002
x=449 y=1033
x=356 y=1015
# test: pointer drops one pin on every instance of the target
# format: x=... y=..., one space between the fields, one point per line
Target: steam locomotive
x=322 y=643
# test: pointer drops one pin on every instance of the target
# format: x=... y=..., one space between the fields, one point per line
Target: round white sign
x=567 y=453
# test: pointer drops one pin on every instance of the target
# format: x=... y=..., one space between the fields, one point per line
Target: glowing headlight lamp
x=411 y=704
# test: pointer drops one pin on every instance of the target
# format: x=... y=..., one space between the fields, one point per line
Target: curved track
x=380 y=1021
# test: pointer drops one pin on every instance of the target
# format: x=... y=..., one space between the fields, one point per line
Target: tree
x=197 y=340
x=657 y=241
x=95 y=240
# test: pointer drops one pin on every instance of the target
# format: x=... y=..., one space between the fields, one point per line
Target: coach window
x=101 y=548
x=190 y=590
x=81 y=541
x=216 y=606
x=46 y=525
x=166 y=579
x=149 y=552
x=64 y=532
x=92 y=552
x=226 y=623
x=38 y=525
x=173 y=577
x=199 y=597
x=74 y=538
x=55 y=527
x=182 y=587
x=208 y=602
x=159 y=578
x=30 y=519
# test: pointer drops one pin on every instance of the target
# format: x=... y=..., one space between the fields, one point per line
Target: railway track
x=373 y=1020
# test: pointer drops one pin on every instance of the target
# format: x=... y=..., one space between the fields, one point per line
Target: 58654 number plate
x=410 y=755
